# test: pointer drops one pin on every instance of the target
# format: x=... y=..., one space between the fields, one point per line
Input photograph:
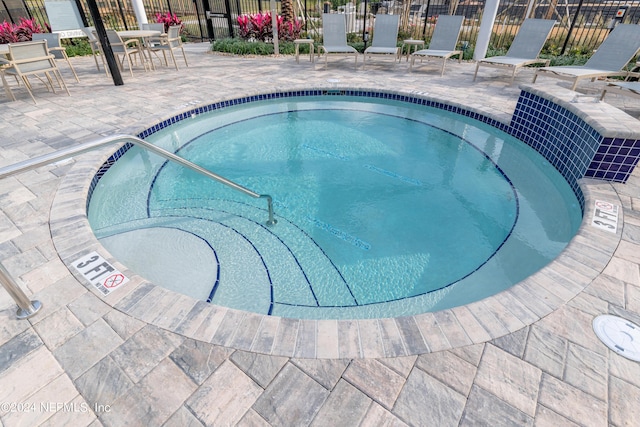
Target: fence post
x=26 y=307
x=573 y=24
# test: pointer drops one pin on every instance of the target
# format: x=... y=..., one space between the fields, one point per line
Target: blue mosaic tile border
x=325 y=92
x=297 y=93
x=571 y=145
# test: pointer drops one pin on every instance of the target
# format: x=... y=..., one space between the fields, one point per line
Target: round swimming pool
x=384 y=209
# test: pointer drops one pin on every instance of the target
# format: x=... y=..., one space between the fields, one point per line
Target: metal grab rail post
x=26 y=307
x=46 y=159
x=170 y=156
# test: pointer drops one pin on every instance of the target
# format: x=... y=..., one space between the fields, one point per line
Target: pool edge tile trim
x=452 y=328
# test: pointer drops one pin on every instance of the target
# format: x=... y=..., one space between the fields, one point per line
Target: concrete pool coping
x=525 y=303
x=80 y=351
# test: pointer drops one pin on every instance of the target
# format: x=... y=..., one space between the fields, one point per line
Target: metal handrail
x=27 y=308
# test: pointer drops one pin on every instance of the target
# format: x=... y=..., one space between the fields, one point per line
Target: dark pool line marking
x=215 y=254
x=291 y=223
x=482 y=264
x=394 y=175
x=340 y=234
x=248 y=241
x=325 y=152
x=280 y=216
x=516 y=198
x=304 y=273
x=385 y=172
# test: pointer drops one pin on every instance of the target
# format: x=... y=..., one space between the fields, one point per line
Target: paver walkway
x=80 y=362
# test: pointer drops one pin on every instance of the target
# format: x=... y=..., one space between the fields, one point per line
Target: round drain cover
x=620 y=335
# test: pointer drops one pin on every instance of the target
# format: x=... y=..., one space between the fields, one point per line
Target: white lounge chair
x=609 y=60
x=622 y=88
x=334 y=36
x=443 y=41
x=385 y=38
x=524 y=50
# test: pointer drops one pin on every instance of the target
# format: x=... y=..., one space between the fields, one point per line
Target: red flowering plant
x=259 y=27
x=6 y=33
x=169 y=19
x=13 y=33
x=255 y=27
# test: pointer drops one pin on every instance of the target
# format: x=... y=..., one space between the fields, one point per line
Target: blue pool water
x=384 y=209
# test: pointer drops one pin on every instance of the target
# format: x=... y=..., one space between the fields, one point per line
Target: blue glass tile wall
x=615 y=159
x=565 y=140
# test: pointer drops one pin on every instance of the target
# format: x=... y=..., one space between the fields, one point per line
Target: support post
x=274 y=26
x=486 y=28
x=26 y=307
x=104 y=41
x=573 y=24
x=141 y=13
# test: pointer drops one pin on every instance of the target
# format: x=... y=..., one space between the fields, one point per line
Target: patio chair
x=159 y=26
x=154 y=41
x=94 y=44
x=385 y=38
x=524 y=50
x=609 y=60
x=443 y=41
x=32 y=59
x=169 y=43
x=631 y=89
x=129 y=50
x=55 y=48
x=334 y=36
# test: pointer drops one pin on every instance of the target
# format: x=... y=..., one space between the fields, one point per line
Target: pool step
x=278 y=265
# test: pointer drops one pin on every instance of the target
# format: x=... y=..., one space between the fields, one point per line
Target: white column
x=274 y=25
x=141 y=14
x=529 y=9
x=486 y=27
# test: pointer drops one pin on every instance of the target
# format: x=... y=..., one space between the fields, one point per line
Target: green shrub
x=565 y=59
x=77 y=47
x=241 y=47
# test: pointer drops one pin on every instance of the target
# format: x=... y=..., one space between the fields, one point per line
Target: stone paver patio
x=84 y=361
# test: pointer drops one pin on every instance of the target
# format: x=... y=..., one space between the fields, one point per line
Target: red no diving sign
x=100 y=273
x=114 y=281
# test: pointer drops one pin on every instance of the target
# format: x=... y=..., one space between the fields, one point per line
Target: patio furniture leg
x=6 y=87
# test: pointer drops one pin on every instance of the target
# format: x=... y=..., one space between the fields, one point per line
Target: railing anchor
x=26 y=307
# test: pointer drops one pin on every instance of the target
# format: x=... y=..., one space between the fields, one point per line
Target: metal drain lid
x=620 y=335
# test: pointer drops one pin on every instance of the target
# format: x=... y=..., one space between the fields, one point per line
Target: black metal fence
x=582 y=24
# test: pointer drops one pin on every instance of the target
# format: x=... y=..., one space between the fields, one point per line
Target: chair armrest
x=131 y=42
